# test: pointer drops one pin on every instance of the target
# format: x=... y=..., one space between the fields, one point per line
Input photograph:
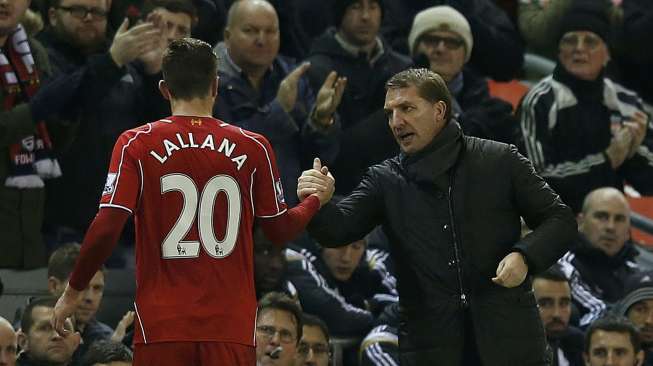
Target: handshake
x=317 y=181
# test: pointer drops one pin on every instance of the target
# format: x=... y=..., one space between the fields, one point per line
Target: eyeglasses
x=81 y=12
x=451 y=43
x=570 y=41
x=319 y=349
x=268 y=331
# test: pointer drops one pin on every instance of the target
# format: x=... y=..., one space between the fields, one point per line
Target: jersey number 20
x=173 y=245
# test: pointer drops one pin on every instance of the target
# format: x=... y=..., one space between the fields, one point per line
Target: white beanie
x=442 y=18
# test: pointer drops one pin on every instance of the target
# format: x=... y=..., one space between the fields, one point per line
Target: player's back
x=196 y=185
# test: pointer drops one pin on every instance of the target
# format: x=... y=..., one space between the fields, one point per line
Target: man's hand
x=121 y=328
x=287 y=93
x=620 y=147
x=129 y=44
x=317 y=181
x=152 y=60
x=328 y=99
x=637 y=125
x=65 y=307
x=511 y=271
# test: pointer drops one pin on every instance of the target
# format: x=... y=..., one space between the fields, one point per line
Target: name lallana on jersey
x=226 y=148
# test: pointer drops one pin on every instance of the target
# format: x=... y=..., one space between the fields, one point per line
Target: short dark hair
x=314 y=321
x=189 y=67
x=173 y=6
x=105 y=351
x=553 y=273
x=617 y=324
x=27 y=320
x=283 y=302
x=62 y=261
x=430 y=86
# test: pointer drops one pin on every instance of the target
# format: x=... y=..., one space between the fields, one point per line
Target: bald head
x=242 y=8
x=252 y=35
x=602 y=194
x=8 y=343
x=605 y=220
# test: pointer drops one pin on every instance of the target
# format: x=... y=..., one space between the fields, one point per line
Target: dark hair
x=62 y=261
x=554 y=273
x=28 y=317
x=173 y=6
x=105 y=351
x=189 y=67
x=617 y=324
x=283 y=302
x=314 y=321
x=430 y=86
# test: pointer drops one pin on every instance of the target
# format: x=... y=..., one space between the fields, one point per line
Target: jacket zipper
x=463 y=297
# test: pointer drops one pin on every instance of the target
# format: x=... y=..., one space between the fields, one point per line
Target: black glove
x=57 y=95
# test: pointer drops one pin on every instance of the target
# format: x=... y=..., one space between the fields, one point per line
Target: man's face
x=276 y=328
x=44 y=344
x=554 y=303
x=253 y=38
x=342 y=261
x=269 y=265
x=10 y=13
x=313 y=348
x=177 y=25
x=84 y=31
x=445 y=51
x=606 y=224
x=641 y=314
x=8 y=344
x=583 y=54
x=612 y=349
x=91 y=300
x=361 y=22
x=413 y=120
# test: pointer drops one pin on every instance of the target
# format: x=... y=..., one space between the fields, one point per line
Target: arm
x=287 y=226
x=353 y=217
x=380 y=347
x=638 y=170
x=590 y=306
x=553 y=222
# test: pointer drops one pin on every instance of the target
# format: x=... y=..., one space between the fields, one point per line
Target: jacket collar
x=596 y=256
x=437 y=158
x=582 y=89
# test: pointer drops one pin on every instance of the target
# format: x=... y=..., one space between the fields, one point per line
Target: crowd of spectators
x=310 y=76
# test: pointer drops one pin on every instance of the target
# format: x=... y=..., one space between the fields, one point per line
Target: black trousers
x=471 y=356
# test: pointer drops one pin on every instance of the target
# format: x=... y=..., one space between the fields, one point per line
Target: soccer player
x=195 y=185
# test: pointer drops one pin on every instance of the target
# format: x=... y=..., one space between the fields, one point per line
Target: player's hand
x=512 y=270
x=317 y=181
x=288 y=88
x=65 y=307
x=328 y=99
x=129 y=44
x=637 y=125
x=121 y=328
x=620 y=147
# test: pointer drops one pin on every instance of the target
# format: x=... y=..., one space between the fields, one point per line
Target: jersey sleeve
x=123 y=185
x=267 y=192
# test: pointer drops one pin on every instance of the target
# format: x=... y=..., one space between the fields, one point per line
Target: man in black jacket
x=450 y=206
x=355 y=50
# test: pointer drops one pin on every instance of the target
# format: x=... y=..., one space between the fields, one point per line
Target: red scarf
x=31 y=159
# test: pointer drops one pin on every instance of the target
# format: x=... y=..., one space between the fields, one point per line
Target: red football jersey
x=194 y=186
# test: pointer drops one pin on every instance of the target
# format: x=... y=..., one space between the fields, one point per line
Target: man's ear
x=639 y=358
x=22 y=341
x=440 y=111
x=586 y=358
x=580 y=220
x=55 y=286
x=226 y=34
x=163 y=88
x=214 y=86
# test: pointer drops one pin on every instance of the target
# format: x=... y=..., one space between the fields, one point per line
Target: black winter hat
x=587 y=15
x=340 y=7
x=637 y=287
